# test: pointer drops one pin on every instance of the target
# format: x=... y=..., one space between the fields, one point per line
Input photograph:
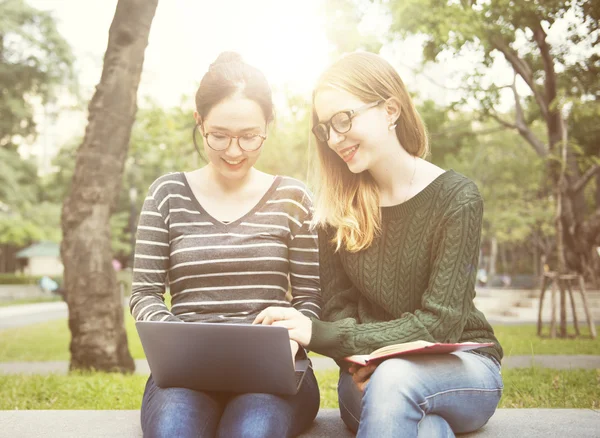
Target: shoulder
x=294 y=190
x=458 y=190
x=166 y=184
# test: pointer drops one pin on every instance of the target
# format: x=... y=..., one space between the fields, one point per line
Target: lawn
x=524 y=387
x=50 y=341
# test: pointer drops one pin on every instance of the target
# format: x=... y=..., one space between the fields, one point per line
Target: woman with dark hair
x=231 y=239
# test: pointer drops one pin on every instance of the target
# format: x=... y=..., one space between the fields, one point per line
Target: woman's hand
x=299 y=326
x=361 y=375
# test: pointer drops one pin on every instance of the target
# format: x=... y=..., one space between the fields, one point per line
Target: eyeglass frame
x=231 y=137
x=350 y=113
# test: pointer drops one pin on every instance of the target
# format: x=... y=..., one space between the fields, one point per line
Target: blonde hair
x=350 y=202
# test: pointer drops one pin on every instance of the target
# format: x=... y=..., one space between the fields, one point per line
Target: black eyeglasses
x=220 y=141
x=341 y=122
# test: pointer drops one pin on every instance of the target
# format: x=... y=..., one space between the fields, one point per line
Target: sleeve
x=444 y=305
x=151 y=265
x=303 y=256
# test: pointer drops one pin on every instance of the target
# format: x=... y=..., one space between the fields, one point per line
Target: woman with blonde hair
x=399 y=244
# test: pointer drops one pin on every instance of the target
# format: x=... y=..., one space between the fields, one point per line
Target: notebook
x=240 y=358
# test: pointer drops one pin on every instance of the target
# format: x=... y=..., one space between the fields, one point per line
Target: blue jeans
x=425 y=396
x=180 y=412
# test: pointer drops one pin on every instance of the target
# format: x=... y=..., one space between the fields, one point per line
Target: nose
x=334 y=137
x=234 y=150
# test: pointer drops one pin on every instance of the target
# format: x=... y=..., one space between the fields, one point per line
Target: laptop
x=221 y=357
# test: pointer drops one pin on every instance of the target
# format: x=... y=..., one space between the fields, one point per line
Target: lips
x=234 y=164
x=348 y=153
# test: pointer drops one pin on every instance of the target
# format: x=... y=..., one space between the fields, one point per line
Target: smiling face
x=362 y=146
x=233 y=116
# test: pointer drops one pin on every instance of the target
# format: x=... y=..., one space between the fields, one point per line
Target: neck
x=229 y=185
x=394 y=172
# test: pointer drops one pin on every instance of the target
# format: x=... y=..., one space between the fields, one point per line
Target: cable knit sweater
x=416 y=281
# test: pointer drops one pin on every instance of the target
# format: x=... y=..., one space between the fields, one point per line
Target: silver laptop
x=221 y=357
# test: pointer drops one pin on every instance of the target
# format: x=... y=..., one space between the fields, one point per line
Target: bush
x=24 y=279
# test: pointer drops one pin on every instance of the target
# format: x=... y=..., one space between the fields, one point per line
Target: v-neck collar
x=230 y=224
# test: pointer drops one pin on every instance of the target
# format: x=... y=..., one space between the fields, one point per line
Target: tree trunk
x=99 y=340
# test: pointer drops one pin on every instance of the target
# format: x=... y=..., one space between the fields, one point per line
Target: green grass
x=524 y=388
x=49 y=299
x=50 y=341
x=546 y=388
x=519 y=340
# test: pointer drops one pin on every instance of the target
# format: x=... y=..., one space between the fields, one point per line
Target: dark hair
x=227 y=75
x=230 y=74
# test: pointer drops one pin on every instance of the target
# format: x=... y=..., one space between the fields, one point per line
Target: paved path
x=500 y=307
x=325 y=363
x=21 y=315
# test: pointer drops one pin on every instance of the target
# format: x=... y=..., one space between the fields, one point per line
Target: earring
x=391 y=126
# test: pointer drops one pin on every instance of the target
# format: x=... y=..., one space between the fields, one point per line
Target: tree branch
x=502 y=121
x=539 y=35
x=523 y=69
x=456 y=132
x=584 y=179
x=521 y=124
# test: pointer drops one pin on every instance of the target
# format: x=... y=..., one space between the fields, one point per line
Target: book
x=415 y=347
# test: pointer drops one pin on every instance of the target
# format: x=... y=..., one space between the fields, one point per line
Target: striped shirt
x=224 y=272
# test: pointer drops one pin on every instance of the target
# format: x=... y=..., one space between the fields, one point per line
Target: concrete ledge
x=547 y=423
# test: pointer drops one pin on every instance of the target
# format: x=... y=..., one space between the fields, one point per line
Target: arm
x=304 y=268
x=444 y=305
x=150 y=267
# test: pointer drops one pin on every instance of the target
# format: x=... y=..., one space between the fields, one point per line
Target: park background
x=508 y=90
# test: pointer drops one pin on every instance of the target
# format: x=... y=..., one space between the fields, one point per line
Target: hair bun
x=226 y=58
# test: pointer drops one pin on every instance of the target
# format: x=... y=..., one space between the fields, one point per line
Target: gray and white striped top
x=224 y=272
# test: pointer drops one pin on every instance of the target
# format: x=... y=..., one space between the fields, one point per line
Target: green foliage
x=22 y=279
x=286 y=150
x=507 y=171
x=34 y=61
x=344 y=30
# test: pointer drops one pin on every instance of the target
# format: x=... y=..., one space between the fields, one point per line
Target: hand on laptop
x=299 y=326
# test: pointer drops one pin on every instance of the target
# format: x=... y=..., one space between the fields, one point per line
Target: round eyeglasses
x=220 y=141
x=341 y=122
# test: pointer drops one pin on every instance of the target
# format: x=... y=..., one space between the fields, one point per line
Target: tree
x=95 y=304
x=555 y=77
x=35 y=60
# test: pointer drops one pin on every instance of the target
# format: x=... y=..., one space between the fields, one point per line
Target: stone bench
x=529 y=423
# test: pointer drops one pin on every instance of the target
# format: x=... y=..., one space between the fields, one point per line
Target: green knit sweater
x=416 y=281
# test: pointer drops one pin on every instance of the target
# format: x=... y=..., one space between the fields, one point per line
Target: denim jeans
x=427 y=396
x=180 y=412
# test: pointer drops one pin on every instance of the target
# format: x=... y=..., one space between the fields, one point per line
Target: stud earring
x=392 y=126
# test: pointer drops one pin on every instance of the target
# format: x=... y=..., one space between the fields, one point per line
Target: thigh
x=463 y=388
x=180 y=412
x=269 y=415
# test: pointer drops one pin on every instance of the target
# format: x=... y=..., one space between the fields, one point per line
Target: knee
x=257 y=418
x=435 y=426
x=393 y=379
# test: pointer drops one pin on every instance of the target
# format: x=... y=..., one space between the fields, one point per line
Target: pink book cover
x=416 y=347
